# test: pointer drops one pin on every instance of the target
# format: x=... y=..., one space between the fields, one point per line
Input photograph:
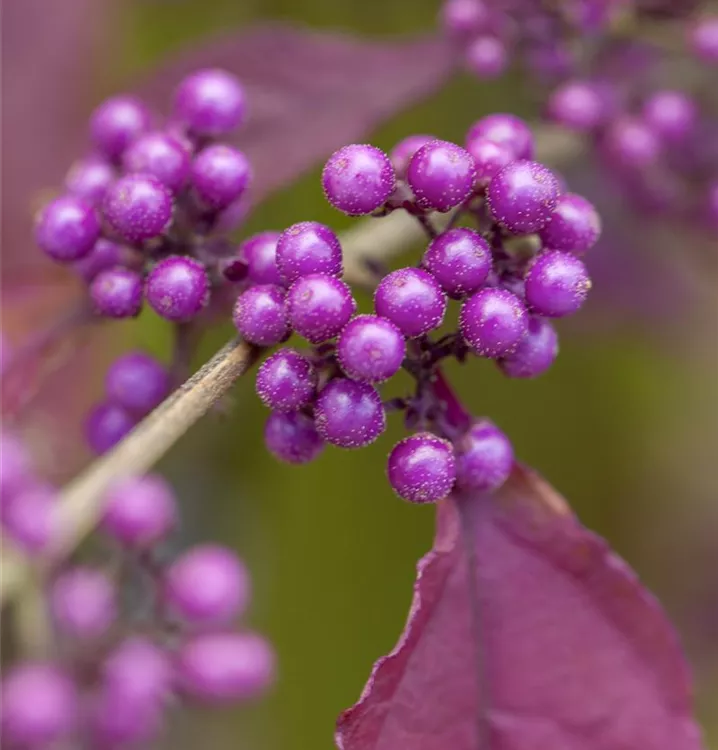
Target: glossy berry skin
x=493 y=322
x=220 y=668
x=703 y=39
x=370 y=349
x=557 y=284
x=422 y=468
x=484 y=458
x=578 y=106
x=116 y=123
x=206 y=586
x=106 y=425
x=412 y=299
x=260 y=253
x=29 y=517
x=535 y=353
x=117 y=293
x=629 y=143
x=489 y=158
x=260 y=315
x=307 y=248
x=104 y=255
x=138 y=207
x=574 y=226
x=441 y=175
x=82 y=603
x=140 y=511
x=401 y=154
x=210 y=103
x=177 y=288
x=319 y=306
x=672 y=115
x=89 y=179
x=358 y=179
x=286 y=381
x=220 y=175
x=137 y=382
x=507 y=130
x=292 y=437
x=67 y=229
x=160 y=155
x=349 y=414
x=486 y=57
x=460 y=260
x=522 y=196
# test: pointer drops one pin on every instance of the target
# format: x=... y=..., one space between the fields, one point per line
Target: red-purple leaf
x=526 y=633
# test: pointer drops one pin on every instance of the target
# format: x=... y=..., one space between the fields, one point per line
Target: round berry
x=117 y=122
x=286 y=381
x=358 y=179
x=673 y=115
x=90 y=178
x=138 y=207
x=703 y=39
x=349 y=414
x=137 y=382
x=630 y=143
x=465 y=17
x=160 y=155
x=260 y=315
x=507 y=130
x=557 y=284
x=535 y=353
x=67 y=229
x=106 y=425
x=117 y=293
x=484 y=458
x=220 y=175
x=177 y=288
x=260 y=253
x=441 y=175
x=486 y=57
x=460 y=260
x=575 y=225
x=401 y=154
x=412 y=299
x=306 y=248
x=489 y=157
x=210 y=103
x=578 y=105
x=104 y=255
x=422 y=468
x=30 y=516
x=319 y=306
x=83 y=604
x=370 y=349
x=292 y=437
x=16 y=469
x=522 y=196
x=493 y=322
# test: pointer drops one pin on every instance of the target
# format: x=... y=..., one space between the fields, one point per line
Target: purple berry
x=220 y=175
x=319 y=306
x=484 y=458
x=370 y=349
x=306 y=248
x=260 y=315
x=224 y=667
x=30 y=516
x=117 y=293
x=578 y=105
x=116 y=123
x=82 y=602
x=489 y=157
x=460 y=260
x=349 y=414
x=106 y=425
x=535 y=353
x=138 y=207
x=292 y=437
x=703 y=39
x=15 y=465
x=465 y=17
x=160 y=155
x=630 y=143
x=177 y=288
x=522 y=196
x=104 y=255
x=90 y=178
x=422 y=468
x=507 y=130
x=575 y=225
x=411 y=299
x=137 y=382
x=401 y=154
x=358 y=179
x=67 y=228
x=486 y=57
x=441 y=175
x=286 y=381
x=493 y=322
x=557 y=284
x=672 y=115
x=210 y=103
x=260 y=253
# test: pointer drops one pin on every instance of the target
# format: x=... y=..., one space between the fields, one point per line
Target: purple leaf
x=526 y=633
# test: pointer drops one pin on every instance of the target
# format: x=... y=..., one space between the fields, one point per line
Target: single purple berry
x=484 y=458
x=370 y=349
x=117 y=122
x=422 y=468
x=507 y=130
x=401 y=154
x=83 y=603
x=224 y=667
x=138 y=207
x=486 y=57
x=140 y=511
x=522 y=196
x=160 y=155
x=260 y=315
x=67 y=228
x=16 y=470
x=489 y=157
x=117 y=293
x=460 y=260
x=90 y=178
x=292 y=437
x=106 y=425
x=575 y=225
x=210 y=103
x=578 y=105
x=177 y=288
x=557 y=284
x=464 y=18
x=412 y=299
x=220 y=175
x=703 y=39
x=535 y=353
x=349 y=414
x=630 y=143
x=104 y=255
x=137 y=382
x=493 y=322
x=30 y=517
x=286 y=381
x=441 y=175
x=672 y=115
x=319 y=306
x=306 y=248
x=260 y=253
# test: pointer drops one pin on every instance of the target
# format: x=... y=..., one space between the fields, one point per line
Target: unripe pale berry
x=422 y=468
x=557 y=284
x=507 y=130
x=138 y=207
x=220 y=175
x=160 y=155
x=319 y=306
x=441 y=175
x=292 y=437
x=117 y=293
x=67 y=228
x=349 y=414
x=574 y=226
x=307 y=248
x=370 y=349
x=83 y=603
x=286 y=381
x=460 y=260
x=493 y=322
x=177 y=288
x=210 y=103
x=484 y=458
x=117 y=122
x=412 y=299
x=138 y=382
x=260 y=315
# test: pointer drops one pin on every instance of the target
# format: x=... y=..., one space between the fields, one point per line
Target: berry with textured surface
x=412 y=299
x=441 y=175
x=260 y=254
x=177 y=288
x=260 y=315
x=557 y=284
x=160 y=155
x=286 y=381
x=484 y=458
x=422 y=468
x=117 y=293
x=319 y=306
x=349 y=414
x=574 y=226
x=370 y=349
x=307 y=248
x=138 y=207
x=493 y=322
x=292 y=437
x=67 y=228
x=535 y=353
x=460 y=260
